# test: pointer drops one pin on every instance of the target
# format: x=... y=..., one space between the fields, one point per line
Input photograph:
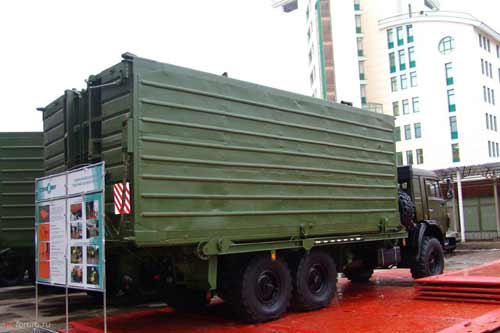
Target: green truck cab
x=254 y=194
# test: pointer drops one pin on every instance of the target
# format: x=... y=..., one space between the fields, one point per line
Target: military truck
x=21 y=160
x=254 y=194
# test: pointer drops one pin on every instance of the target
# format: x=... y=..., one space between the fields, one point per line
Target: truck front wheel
x=264 y=290
x=431 y=261
x=314 y=281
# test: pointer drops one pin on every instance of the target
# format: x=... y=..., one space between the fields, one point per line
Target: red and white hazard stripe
x=122 y=202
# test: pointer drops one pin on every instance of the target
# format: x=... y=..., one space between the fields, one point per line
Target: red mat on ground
x=387 y=304
x=487 y=275
x=479 y=284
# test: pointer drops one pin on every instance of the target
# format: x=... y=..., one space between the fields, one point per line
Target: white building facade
x=440 y=79
x=437 y=72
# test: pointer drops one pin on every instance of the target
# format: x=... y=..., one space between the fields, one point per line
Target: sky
x=52 y=45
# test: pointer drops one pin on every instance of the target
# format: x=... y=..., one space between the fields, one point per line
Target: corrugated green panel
x=216 y=157
x=21 y=161
x=54 y=131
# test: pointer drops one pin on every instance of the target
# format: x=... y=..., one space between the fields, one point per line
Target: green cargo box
x=213 y=160
x=21 y=161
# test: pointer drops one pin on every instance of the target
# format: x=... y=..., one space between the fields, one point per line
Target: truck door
x=419 y=202
x=436 y=204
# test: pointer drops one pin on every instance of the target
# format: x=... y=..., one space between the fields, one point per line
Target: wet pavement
x=388 y=299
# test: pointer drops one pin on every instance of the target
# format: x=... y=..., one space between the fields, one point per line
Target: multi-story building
x=436 y=71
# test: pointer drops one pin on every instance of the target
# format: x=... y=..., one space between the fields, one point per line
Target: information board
x=70 y=228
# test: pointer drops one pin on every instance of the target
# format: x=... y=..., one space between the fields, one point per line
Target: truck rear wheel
x=264 y=290
x=314 y=281
x=359 y=274
x=431 y=261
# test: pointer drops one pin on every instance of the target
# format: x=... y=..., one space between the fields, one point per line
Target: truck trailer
x=254 y=194
x=21 y=160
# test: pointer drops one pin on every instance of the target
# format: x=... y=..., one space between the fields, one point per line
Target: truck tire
x=11 y=273
x=406 y=210
x=431 y=261
x=359 y=274
x=314 y=281
x=264 y=290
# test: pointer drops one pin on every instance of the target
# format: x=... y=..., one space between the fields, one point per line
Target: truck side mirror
x=450 y=189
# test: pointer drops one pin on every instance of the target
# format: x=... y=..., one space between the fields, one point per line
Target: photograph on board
x=92 y=210
x=75 y=212
x=92 y=255
x=44 y=214
x=76 y=255
x=77 y=274
x=92 y=229
x=76 y=230
x=93 y=275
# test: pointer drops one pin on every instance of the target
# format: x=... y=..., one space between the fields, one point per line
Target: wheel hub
x=316 y=281
x=268 y=287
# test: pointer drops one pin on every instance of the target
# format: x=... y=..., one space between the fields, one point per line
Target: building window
x=406 y=106
x=495 y=123
x=451 y=100
x=311 y=77
x=420 y=156
x=413 y=79
x=446 y=45
x=390 y=38
x=399 y=158
x=409 y=33
x=489 y=95
x=480 y=40
x=409 y=157
x=455 y=152
x=491 y=70
x=357 y=6
x=499 y=74
x=453 y=127
x=358 y=23
x=360 y=47
x=411 y=57
x=394 y=84
x=404 y=81
x=484 y=43
x=407 y=132
x=485 y=95
x=399 y=34
x=490 y=149
x=392 y=62
x=493 y=96
x=402 y=60
x=449 y=73
x=362 y=90
x=489 y=45
x=418 y=130
x=397 y=133
x=395 y=109
x=487 y=121
x=416 y=104
x=498 y=51
x=496 y=148
x=361 y=66
x=482 y=66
